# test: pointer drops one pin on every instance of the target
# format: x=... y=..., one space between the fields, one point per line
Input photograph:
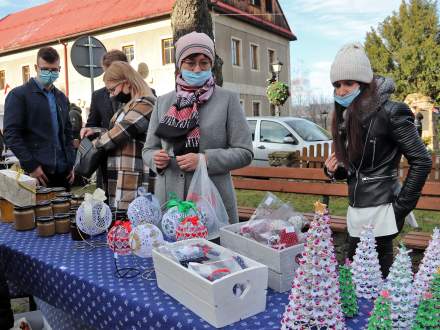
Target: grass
x=427 y=220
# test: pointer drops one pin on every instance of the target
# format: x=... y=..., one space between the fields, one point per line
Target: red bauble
x=191 y=227
x=118 y=238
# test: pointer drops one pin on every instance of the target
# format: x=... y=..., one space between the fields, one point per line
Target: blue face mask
x=47 y=77
x=346 y=100
x=196 y=79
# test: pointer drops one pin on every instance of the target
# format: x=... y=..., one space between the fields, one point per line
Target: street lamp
x=324 y=114
x=276 y=69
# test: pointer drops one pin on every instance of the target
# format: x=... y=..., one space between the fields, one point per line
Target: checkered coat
x=123 y=143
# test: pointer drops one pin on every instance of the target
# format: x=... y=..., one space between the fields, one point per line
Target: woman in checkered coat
x=125 y=139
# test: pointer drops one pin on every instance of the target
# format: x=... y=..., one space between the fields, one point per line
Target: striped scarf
x=180 y=124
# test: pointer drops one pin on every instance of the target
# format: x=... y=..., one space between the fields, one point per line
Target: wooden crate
x=215 y=302
x=282 y=264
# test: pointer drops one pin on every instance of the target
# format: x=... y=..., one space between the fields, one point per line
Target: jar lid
x=43 y=190
x=58 y=189
x=59 y=200
x=43 y=203
x=44 y=219
x=59 y=216
x=23 y=208
x=78 y=197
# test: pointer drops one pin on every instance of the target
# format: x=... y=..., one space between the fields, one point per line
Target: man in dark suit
x=37 y=127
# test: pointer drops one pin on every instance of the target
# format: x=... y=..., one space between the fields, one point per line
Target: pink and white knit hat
x=194 y=43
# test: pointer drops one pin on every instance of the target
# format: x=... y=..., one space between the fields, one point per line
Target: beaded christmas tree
x=314 y=302
x=380 y=318
x=428 y=266
x=348 y=293
x=428 y=313
x=399 y=285
x=367 y=276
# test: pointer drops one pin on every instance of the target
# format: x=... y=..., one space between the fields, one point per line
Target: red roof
x=61 y=19
x=65 y=19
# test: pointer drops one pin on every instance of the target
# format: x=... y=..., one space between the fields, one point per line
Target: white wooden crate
x=215 y=302
x=282 y=264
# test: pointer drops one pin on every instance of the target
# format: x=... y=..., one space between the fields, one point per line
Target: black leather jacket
x=374 y=180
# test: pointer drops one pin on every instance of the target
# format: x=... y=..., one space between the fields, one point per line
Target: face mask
x=346 y=100
x=47 y=77
x=123 y=98
x=196 y=79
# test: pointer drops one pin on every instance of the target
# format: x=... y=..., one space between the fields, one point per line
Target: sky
x=321 y=26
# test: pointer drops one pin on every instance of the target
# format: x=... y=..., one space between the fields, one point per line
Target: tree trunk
x=193 y=15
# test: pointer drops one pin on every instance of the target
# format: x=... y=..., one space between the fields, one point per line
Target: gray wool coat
x=225 y=139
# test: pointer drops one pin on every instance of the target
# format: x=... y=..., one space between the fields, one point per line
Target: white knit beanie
x=351 y=63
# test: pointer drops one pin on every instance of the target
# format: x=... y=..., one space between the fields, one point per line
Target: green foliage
x=380 y=318
x=406 y=47
x=348 y=294
x=277 y=93
x=428 y=313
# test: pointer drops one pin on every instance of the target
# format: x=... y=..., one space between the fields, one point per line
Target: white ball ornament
x=143 y=238
x=144 y=209
x=94 y=217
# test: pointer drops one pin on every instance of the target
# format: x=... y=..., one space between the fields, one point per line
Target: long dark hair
x=348 y=134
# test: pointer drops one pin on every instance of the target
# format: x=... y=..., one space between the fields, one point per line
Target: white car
x=271 y=134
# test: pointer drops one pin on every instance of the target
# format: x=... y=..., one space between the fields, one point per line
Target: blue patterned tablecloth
x=82 y=286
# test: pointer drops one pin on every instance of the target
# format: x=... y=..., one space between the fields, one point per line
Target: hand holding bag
x=88 y=158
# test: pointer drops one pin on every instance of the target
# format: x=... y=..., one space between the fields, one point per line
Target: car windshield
x=309 y=131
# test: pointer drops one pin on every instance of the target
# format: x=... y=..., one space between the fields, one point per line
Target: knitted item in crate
x=191 y=227
x=400 y=286
x=93 y=217
x=314 y=301
x=428 y=266
x=118 y=238
x=143 y=238
x=288 y=237
x=177 y=210
x=367 y=277
x=144 y=209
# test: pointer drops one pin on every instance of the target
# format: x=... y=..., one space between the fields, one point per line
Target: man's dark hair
x=49 y=54
x=113 y=55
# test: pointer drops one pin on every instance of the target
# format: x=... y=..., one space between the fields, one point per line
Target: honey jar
x=62 y=223
x=60 y=205
x=24 y=218
x=43 y=209
x=6 y=211
x=45 y=226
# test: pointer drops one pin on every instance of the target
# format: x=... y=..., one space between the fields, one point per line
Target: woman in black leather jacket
x=370 y=134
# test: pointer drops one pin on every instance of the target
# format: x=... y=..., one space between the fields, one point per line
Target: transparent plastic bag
x=271 y=207
x=204 y=193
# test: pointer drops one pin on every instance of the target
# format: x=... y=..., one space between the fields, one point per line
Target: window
x=252 y=126
x=2 y=79
x=271 y=58
x=274 y=132
x=256 y=3
x=129 y=52
x=236 y=52
x=269 y=7
x=254 y=57
x=167 y=51
x=255 y=108
x=309 y=131
x=25 y=73
x=272 y=110
x=242 y=105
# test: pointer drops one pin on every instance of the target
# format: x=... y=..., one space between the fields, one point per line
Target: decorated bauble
x=93 y=217
x=144 y=209
x=143 y=238
x=118 y=238
x=191 y=227
x=171 y=220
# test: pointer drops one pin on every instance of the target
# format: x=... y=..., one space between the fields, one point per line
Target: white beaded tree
x=428 y=266
x=314 y=301
x=400 y=286
x=367 y=276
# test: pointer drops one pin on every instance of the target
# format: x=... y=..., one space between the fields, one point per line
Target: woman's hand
x=86 y=131
x=331 y=163
x=188 y=162
x=161 y=159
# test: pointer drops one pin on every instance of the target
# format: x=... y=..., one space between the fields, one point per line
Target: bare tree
x=194 y=15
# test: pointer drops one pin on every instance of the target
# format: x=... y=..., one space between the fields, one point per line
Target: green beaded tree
x=348 y=293
x=380 y=318
x=428 y=313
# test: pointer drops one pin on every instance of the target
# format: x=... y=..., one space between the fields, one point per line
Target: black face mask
x=123 y=98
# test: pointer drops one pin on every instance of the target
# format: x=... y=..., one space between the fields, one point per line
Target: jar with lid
x=77 y=200
x=43 y=209
x=62 y=223
x=43 y=194
x=60 y=205
x=45 y=226
x=75 y=232
x=24 y=218
x=64 y=194
x=6 y=210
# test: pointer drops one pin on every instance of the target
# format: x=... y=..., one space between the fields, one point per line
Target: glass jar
x=77 y=200
x=43 y=209
x=45 y=226
x=6 y=211
x=43 y=194
x=64 y=194
x=60 y=205
x=75 y=232
x=62 y=223
x=58 y=190
x=24 y=218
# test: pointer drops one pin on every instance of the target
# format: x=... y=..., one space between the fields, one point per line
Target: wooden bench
x=416 y=240
x=313 y=181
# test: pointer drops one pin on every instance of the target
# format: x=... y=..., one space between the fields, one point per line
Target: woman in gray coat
x=197 y=117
